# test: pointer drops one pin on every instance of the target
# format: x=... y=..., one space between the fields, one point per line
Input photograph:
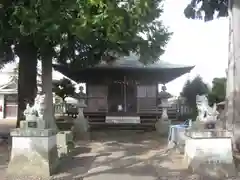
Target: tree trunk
x=233 y=73
x=48 y=115
x=27 y=72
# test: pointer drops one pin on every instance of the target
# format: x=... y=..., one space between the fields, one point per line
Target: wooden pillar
x=125 y=93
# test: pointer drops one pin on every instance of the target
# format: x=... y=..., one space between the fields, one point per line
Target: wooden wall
x=98 y=101
x=97 y=98
x=147 y=97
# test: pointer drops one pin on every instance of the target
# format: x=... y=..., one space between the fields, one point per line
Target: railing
x=151 y=104
x=142 y=105
x=59 y=108
x=63 y=108
x=94 y=104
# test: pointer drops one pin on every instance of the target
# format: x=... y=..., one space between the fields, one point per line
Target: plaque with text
x=32 y=124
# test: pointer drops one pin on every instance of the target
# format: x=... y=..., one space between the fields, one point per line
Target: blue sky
x=194 y=42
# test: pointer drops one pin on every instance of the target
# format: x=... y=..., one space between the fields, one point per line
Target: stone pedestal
x=64 y=143
x=80 y=128
x=40 y=124
x=210 y=156
x=34 y=154
x=162 y=126
x=80 y=124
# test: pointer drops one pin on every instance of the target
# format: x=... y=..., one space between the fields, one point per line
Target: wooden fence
x=144 y=105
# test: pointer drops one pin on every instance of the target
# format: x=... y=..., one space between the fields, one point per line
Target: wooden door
x=147 y=98
x=115 y=96
x=11 y=106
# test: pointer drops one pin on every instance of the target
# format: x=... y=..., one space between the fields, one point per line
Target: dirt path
x=119 y=156
x=125 y=155
x=4 y=158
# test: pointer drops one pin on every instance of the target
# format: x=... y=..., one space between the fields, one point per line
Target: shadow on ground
x=77 y=164
x=121 y=156
x=4 y=158
x=125 y=155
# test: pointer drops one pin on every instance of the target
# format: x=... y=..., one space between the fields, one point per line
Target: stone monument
x=34 y=114
x=80 y=126
x=162 y=124
x=207 y=116
x=208 y=149
x=34 y=149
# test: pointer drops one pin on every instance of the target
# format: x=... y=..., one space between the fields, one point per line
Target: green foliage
x=92 y=27
x=57 y=29
x=191 y=89
x=116 y=29
x=218 y=92
x=206 y=9
x=198 y=87
x=63 y=88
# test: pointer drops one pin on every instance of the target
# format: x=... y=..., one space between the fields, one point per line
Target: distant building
x=8 y=91
x=8 y=97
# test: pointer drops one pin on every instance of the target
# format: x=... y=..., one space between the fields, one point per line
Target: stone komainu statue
x=206 y=114
x=35 y=111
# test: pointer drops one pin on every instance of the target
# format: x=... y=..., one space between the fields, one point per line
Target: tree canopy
x=79 y=32
x=89 y=27
x=206 y=9
x=63 y=88
x=192 y=88
x=218 y=92
x=197 y=87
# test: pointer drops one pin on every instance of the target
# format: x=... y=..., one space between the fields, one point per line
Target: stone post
x=164 y=105
x=80 y=126
x=233 y=73
x=48 y=115
x=162 y=125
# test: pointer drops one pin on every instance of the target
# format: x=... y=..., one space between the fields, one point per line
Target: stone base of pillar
x=162 y=127
x=80 y=128
x=34 y=154
x=210 y=157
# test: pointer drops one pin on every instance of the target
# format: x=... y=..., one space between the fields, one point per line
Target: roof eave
x=182 y=70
